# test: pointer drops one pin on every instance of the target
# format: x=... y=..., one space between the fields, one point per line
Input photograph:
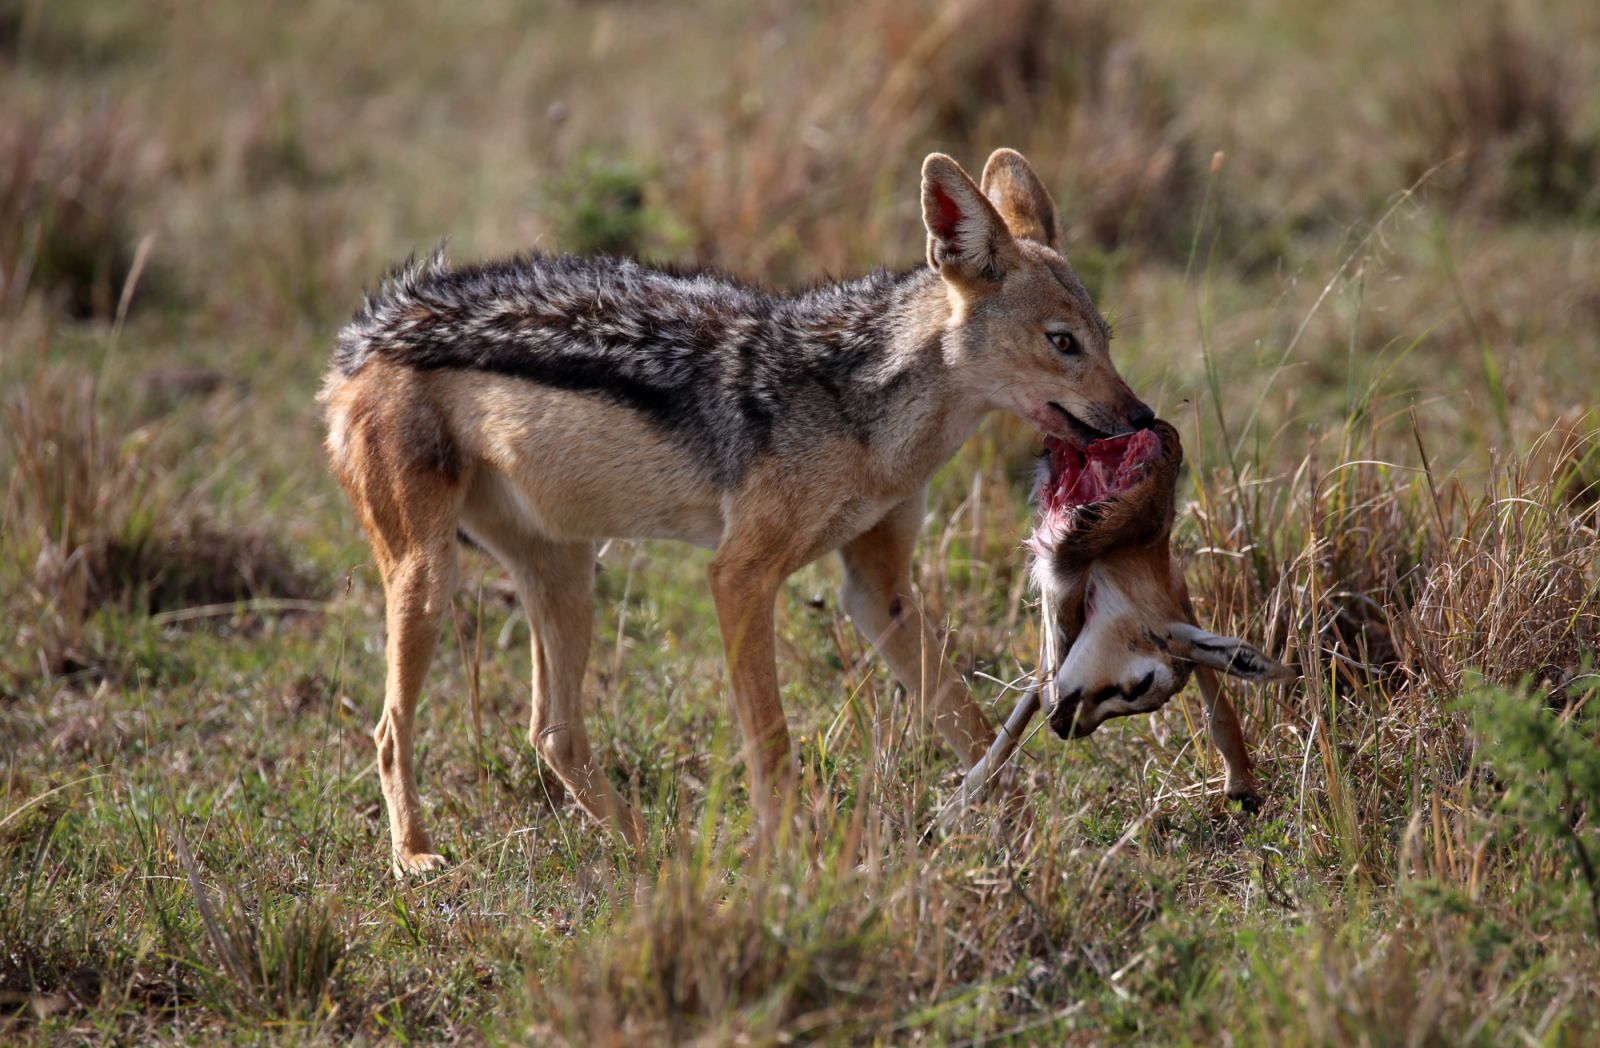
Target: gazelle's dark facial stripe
x=1225 y=654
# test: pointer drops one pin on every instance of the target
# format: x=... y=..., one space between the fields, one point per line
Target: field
x=1352 y=250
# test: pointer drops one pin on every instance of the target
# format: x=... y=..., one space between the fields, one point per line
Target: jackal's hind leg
x=414 y=542
x=556 y=582
x=406 y=480
x=417 y=592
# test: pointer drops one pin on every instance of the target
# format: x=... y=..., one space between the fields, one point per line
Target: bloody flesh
x=1103 y=469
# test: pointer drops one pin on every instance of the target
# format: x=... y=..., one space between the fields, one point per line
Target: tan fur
x=408 y=496
x=1022 y=200
x=1150 y=594
x=537 y=475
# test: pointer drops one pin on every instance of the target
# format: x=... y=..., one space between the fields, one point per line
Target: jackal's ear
x=965 y=232
x=1022 y=200
x=1226 y=654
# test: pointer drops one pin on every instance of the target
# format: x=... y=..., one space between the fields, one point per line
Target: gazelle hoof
x=1248 y=800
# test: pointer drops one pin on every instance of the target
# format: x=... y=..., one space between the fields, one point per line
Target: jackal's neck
x=862 y=320
x=928 y=406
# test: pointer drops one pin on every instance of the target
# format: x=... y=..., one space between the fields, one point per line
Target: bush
x=100 y=522
x=65 y=184
x=1548 y=768
x=1506 y=111
x=599 y=206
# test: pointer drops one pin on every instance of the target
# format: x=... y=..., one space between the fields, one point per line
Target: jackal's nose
x=1140 y=415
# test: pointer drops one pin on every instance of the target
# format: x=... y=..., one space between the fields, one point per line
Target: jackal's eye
x=1065 y=341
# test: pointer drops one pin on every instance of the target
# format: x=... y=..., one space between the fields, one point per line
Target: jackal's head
x=1105 y=565
x=1026 y=335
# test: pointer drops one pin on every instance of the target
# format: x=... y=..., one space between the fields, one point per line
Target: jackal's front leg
x=877 y=595
x=744 y=587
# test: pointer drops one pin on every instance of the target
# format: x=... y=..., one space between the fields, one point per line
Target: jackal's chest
x=850 y=518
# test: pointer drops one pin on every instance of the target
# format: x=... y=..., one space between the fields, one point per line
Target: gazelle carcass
x=1116 y=598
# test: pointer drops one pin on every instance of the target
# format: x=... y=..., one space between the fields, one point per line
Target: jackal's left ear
x=1022 y=200
x=965 y=232
x=1227 y=654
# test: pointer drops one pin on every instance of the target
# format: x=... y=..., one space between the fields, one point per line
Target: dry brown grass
x=799 y=182
x=103 y=522
x=66 y=178
x=841 y=934
x=1398 y=589
x=1498 y=577
x=1507 y=114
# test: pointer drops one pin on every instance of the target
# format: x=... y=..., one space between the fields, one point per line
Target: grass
x=1375 y=332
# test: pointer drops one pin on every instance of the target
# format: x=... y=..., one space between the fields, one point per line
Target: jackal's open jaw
x=1064 y=425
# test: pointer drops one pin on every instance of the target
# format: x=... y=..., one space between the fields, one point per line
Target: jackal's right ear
x=965 y=232
x=1022 y=200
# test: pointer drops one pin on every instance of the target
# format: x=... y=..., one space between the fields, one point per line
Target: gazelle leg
x=1223 y=725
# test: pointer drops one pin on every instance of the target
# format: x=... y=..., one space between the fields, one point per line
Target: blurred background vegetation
x=1352 y=249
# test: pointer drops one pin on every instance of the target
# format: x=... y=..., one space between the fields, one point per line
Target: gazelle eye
x=1064 y=341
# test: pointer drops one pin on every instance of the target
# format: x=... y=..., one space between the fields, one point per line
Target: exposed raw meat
x=1103 y=469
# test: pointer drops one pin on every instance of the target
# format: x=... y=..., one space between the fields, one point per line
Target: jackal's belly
x=574 y=467
x=580 y=512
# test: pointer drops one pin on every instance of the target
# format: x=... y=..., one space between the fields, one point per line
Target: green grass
x=1386 y=399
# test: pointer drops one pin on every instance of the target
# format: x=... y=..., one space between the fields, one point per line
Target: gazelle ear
x=1229 y=655
x=1022 y=200
x=967 y=238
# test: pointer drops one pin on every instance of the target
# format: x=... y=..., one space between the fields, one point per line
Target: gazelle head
x=1121 y=607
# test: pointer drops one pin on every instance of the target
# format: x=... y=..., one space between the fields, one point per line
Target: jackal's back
x=706 y=358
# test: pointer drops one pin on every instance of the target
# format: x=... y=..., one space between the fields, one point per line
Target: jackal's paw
x=405 y=864
x=1247 y=799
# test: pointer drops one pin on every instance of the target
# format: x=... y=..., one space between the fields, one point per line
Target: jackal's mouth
x=1073 y=478
x=1081 y=430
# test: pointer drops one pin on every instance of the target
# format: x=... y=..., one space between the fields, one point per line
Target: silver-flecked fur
x=720 y=365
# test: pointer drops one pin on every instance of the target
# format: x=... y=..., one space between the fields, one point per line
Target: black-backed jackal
x=541 y=404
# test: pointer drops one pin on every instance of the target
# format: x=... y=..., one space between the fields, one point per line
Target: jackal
x=540 y=404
